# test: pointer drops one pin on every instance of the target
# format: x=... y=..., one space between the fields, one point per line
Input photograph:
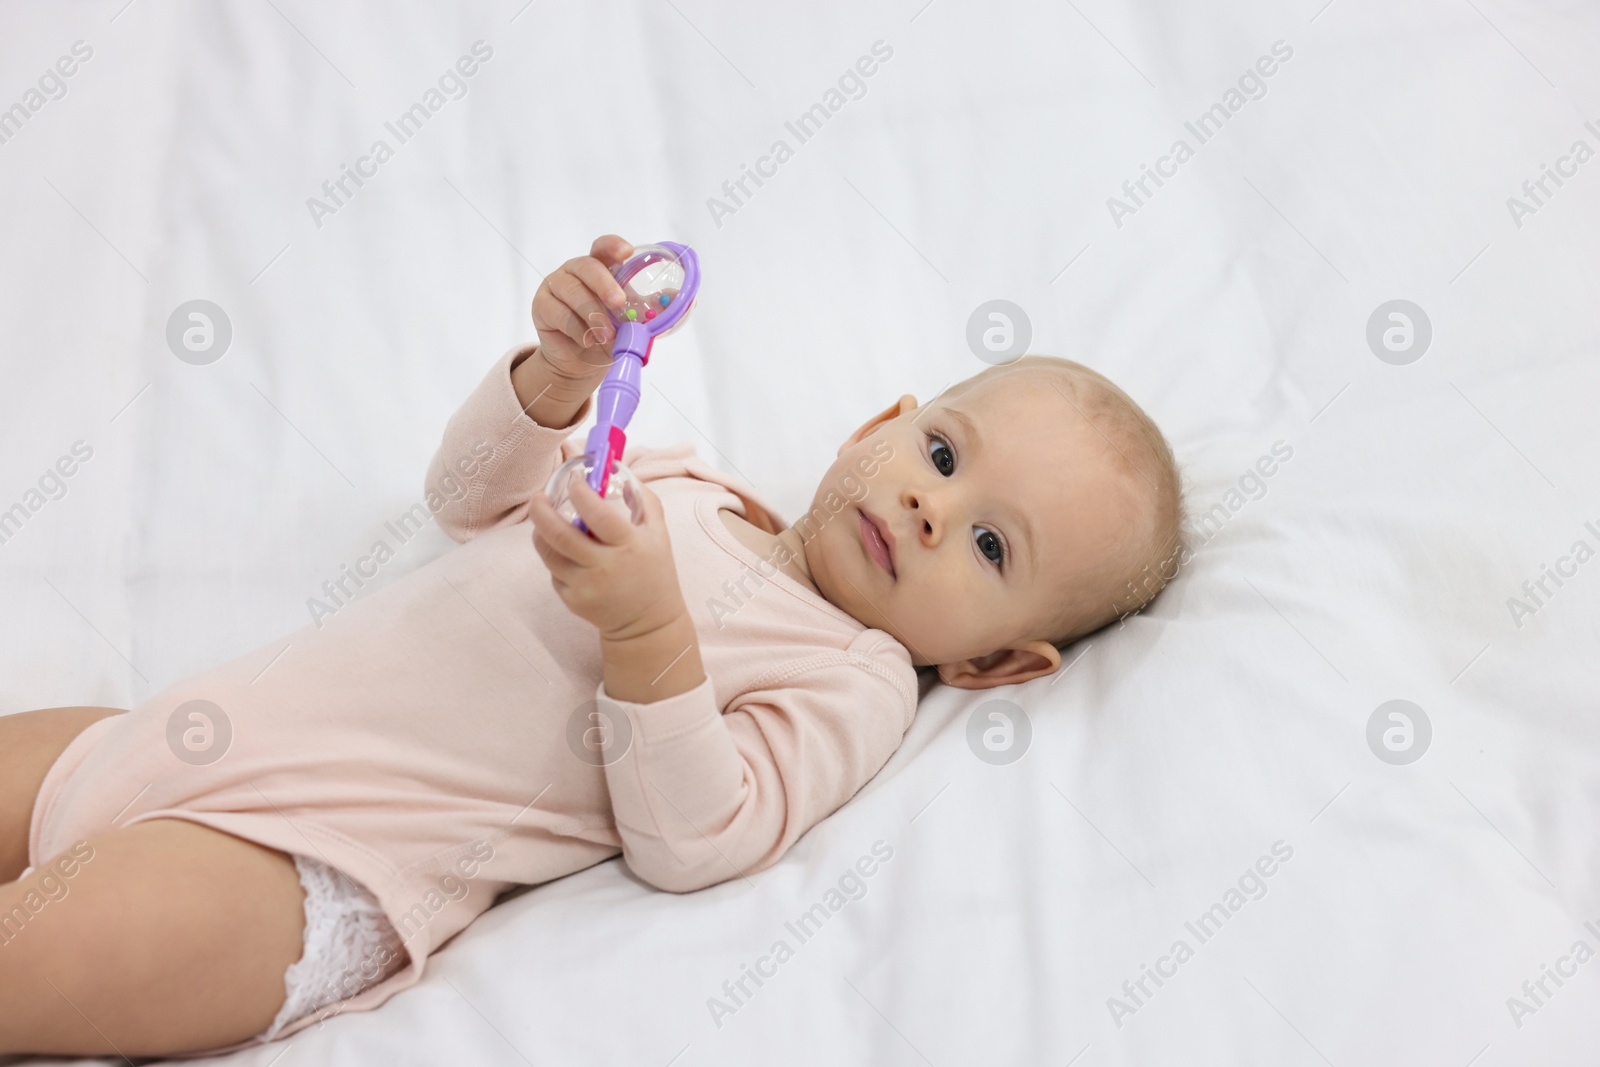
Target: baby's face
x=996 y=500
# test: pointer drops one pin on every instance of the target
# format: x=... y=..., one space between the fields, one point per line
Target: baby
x=291 y=834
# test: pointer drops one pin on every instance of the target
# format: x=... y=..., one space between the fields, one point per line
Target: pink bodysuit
x=433 y=740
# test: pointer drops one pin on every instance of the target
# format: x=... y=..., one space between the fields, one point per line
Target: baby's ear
x=1009 y=666
x=893 y=411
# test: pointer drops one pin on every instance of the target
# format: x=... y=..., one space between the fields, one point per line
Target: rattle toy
x=659 y=283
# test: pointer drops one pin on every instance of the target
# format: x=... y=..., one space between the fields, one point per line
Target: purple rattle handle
x=615 y=403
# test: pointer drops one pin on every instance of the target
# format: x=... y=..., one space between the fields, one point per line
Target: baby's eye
x=946 y=466
x=987 y=542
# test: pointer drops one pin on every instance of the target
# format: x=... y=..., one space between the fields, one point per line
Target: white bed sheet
x=1178 y=748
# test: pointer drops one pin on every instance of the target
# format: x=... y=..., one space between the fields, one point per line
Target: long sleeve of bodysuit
x=493 y=456
x=702 y=795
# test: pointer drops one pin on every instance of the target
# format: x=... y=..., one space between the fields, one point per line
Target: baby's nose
x=924 y=523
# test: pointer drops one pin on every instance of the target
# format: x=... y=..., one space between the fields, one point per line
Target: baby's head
x=1026 y=506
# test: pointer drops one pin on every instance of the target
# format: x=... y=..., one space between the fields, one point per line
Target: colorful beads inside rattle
x=631 y=314
x=665 y=299
x=649 y=314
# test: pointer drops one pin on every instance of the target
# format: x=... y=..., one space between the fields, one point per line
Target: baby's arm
x=492 y=457
x=548 y=398
x=504 y=442
x=701 y=796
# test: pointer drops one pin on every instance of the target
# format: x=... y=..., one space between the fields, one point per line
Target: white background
x=1233 y=305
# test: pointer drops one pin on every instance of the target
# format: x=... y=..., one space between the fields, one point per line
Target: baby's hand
x=575 y=334
x=623 y=580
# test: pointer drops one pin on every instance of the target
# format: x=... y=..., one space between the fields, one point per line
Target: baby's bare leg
x=170 y=937
x=30 y=741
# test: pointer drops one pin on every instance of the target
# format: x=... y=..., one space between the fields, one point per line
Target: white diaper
x=349 y=945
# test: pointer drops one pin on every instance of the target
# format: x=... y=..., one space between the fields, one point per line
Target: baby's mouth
x=873 y=540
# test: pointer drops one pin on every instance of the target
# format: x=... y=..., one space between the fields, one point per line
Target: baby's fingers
x=559 y=535
x=552 y=316
x=602 y=286
x=606 y=521
x=650 y=504
x=587 y=323
x=611 y=250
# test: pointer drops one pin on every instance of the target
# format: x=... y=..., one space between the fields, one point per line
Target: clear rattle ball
x=654 y=282
x=622 y=489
